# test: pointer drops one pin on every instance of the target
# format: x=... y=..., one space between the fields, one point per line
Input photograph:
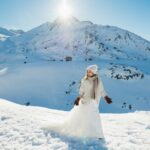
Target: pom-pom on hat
x=94 y=68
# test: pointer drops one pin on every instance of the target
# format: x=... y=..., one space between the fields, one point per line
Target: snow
x=3 y=37
x=21 y=127
x=3 y=71
x=6 y=33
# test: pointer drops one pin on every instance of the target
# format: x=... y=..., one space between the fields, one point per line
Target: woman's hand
x=76 y=102
x=108 y=99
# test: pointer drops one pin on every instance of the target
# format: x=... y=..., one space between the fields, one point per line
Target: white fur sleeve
x=81 y=89
x=101 y=90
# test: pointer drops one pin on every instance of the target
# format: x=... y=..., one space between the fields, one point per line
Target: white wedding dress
x=82 y=120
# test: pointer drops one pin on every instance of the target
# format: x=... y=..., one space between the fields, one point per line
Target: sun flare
x=65 y=10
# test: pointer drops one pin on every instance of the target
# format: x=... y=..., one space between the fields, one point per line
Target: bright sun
x=65 y=10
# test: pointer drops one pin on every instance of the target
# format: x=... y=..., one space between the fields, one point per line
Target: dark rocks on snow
x=122 y=72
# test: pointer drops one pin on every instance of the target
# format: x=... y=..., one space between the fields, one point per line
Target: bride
x=84 y=120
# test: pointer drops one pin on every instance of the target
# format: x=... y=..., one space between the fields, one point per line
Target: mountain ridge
x=5 y=33
x=81 y=40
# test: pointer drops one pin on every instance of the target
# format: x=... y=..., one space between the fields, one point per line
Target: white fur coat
x=85 y=90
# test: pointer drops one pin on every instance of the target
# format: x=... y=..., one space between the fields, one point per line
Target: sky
x=132 y=15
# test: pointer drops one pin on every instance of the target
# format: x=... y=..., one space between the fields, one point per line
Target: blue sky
x=133 y=15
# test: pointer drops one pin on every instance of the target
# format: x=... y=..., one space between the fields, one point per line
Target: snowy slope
x=5 y=33
x=16 y=31
x=82 y=40
x=21 y=128
x=3 y=37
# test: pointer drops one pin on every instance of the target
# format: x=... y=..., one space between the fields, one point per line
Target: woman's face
x=89 y=73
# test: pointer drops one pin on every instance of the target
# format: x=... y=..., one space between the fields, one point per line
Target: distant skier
x=83 y=119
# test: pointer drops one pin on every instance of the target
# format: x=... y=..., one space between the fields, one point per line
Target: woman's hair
x=86 y=77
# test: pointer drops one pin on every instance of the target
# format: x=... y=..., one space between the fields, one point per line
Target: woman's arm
x=81 y=89
x=102 y=92
x=101 y=89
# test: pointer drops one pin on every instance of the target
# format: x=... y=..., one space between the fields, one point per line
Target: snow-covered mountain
x=16 y=31
x=80 y=40
x=21 y=129
x=5 y=33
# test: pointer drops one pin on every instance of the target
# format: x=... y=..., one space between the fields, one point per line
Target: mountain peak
x=66 y=21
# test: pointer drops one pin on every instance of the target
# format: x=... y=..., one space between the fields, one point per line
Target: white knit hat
x=94 y=68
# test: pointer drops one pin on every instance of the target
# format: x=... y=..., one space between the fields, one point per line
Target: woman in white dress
x=84 y=120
